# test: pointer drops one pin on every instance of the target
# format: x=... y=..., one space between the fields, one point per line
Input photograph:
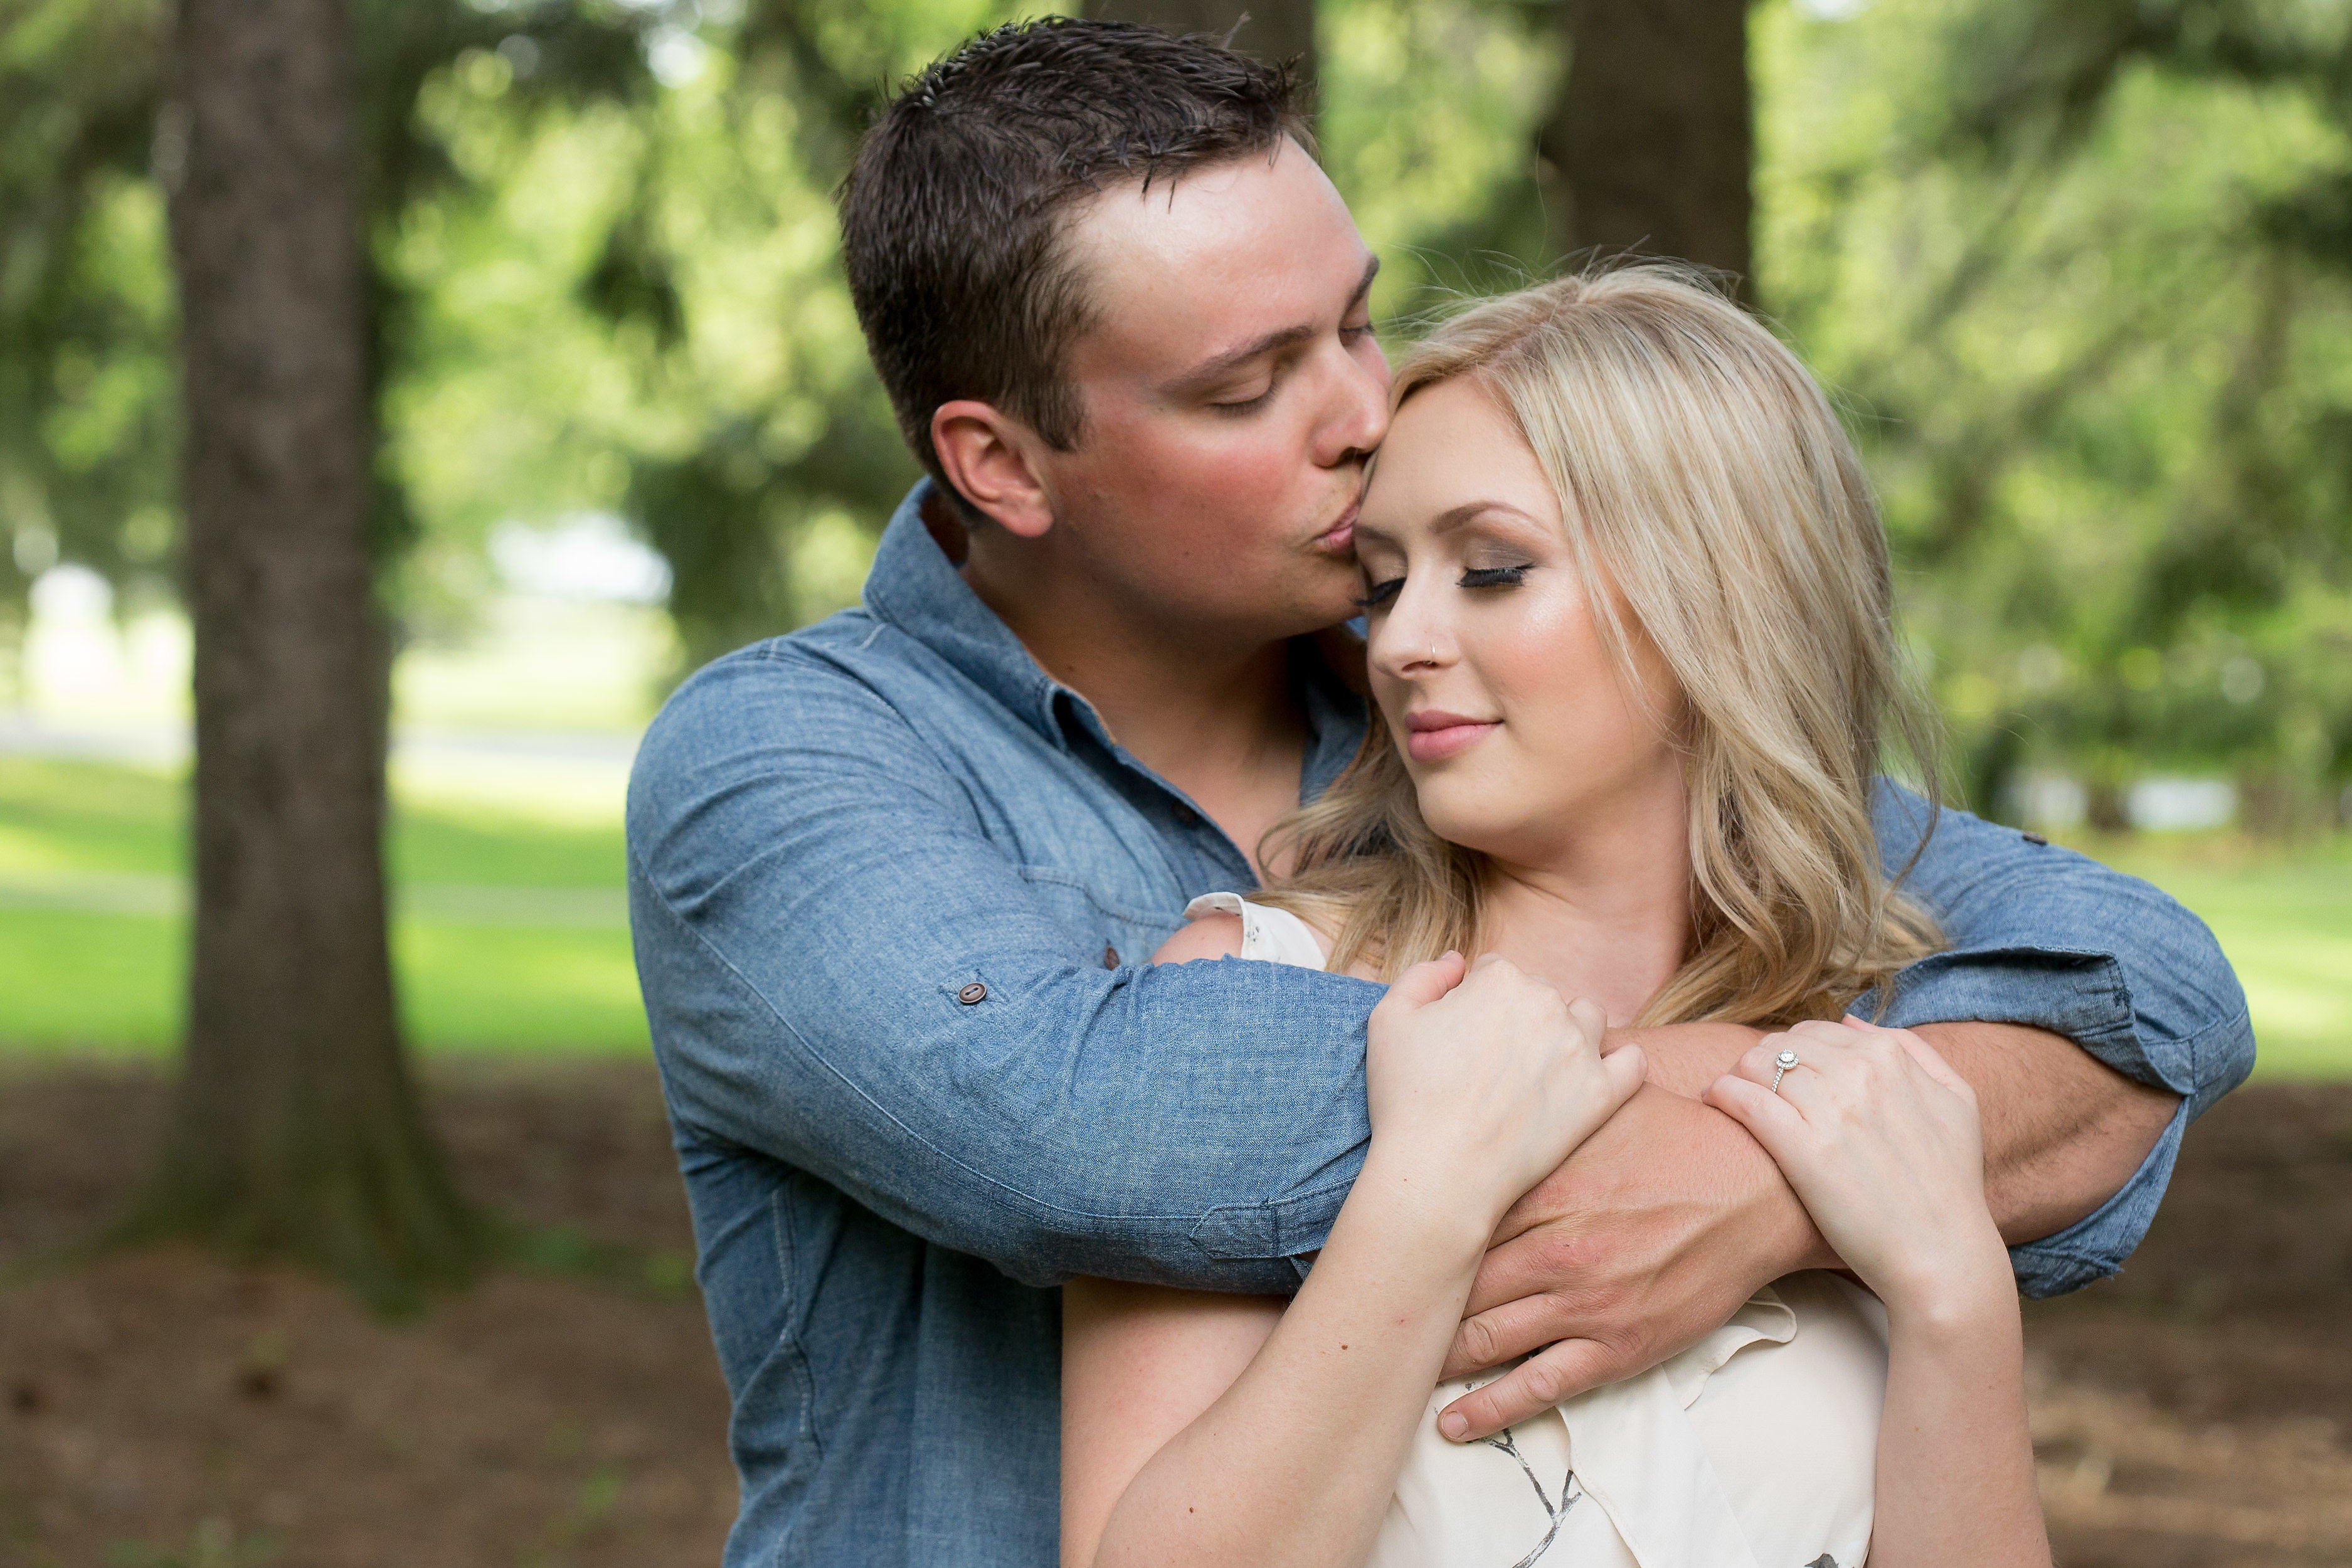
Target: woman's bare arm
x=1290 y=1464
x=1200 y=1431
x=1140 y=1363
x=1881 y=1138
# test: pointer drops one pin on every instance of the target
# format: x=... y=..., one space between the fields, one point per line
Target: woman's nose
x=1405 y=645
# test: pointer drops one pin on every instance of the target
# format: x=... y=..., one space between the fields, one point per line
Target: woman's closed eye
x=1381 y=593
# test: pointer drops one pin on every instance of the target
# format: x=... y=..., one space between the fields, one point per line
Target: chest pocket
x=1102 y=930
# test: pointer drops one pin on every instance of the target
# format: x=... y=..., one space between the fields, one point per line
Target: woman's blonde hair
x=1704 y=475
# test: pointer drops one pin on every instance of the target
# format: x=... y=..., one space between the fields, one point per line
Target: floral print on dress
x=1569 y=1496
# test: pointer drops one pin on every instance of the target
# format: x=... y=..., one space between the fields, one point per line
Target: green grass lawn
x=2284 y=917
x=510 y=934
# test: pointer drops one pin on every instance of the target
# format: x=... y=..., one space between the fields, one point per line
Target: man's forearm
x=2064 y=1131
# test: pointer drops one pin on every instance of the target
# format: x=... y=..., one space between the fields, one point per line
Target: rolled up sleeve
x=845 y=974
x=2041 y=936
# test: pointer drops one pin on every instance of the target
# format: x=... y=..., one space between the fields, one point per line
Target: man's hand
x=1649 y=1237
x=1667 y=1218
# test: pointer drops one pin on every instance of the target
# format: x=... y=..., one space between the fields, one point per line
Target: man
x=892 y=877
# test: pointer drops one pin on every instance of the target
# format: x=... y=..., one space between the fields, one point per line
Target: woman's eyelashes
x=1381 y=593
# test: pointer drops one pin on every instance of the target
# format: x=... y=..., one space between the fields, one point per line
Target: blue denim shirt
x=893 y=891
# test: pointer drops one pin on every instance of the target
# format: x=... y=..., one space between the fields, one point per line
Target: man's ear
x=989 y=457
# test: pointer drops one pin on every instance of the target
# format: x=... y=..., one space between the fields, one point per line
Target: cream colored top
x=1756 y=1447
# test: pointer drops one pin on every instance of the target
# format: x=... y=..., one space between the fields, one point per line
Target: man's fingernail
x=1455 y=1425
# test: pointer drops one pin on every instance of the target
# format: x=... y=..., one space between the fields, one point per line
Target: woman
x=1628 y=608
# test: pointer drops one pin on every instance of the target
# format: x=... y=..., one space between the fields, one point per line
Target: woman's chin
x=1470 y=828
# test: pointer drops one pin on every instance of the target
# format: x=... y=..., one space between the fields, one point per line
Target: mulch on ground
x=164 y=1409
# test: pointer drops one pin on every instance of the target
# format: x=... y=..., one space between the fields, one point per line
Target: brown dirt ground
x=167 y=1410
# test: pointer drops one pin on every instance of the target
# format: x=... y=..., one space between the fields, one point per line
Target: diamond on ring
x=1781 y=1065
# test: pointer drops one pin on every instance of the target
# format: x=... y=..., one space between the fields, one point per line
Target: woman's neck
x=1604 y=914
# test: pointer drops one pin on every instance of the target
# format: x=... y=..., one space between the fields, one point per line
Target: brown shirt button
x=975 y=991
x=1110 y=957
x=1186 y=817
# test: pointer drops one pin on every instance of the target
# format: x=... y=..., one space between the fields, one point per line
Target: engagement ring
x=1781 y=1064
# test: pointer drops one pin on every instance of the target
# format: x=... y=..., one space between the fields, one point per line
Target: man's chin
x=1332 y=614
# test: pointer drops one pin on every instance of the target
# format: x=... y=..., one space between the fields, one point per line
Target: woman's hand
x=1480 y=1083
x=1880 y=1138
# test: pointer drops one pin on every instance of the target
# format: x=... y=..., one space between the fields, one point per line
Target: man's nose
x=1357 y=417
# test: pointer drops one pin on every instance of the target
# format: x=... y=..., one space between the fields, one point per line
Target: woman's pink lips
x=1434 y=737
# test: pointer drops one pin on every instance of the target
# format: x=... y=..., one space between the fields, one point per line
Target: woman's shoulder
x=1227 y=925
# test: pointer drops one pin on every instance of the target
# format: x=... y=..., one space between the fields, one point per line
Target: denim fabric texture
x=893 y=891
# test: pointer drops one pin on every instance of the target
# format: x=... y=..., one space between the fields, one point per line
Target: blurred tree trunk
x=1277 y=30
x=1651 y=143
x=296 y=1129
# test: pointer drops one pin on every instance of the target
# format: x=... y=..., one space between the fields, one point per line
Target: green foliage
x=86 y=320
x=2080 y=270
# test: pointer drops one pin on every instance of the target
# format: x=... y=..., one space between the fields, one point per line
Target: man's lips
x=1433 y=736
x=1340 y=536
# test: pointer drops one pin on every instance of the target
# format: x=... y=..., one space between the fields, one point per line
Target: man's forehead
x=1221 y=256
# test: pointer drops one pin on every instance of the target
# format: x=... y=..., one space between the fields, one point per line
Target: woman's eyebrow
x=1452 y=518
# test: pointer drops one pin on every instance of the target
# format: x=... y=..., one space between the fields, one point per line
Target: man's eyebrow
x=1209 y=370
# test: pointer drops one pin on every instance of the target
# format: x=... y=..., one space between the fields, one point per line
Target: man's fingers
x=1539 y=1257
x=1503 y=1333
x=1564 y=1371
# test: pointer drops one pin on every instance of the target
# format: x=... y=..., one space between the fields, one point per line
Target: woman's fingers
x=1624 y=1071
x=1428 y=982
x=1761 y=1063
x=1771 y=1120
x=1932 y=1063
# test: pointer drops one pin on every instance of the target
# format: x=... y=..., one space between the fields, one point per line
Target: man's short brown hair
x=953 y=216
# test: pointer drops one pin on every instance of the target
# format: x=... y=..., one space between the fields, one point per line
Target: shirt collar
x=917 y=589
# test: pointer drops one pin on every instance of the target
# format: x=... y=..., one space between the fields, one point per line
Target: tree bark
x=1276 y=30
x=1649 y=148
x=296 y=1129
